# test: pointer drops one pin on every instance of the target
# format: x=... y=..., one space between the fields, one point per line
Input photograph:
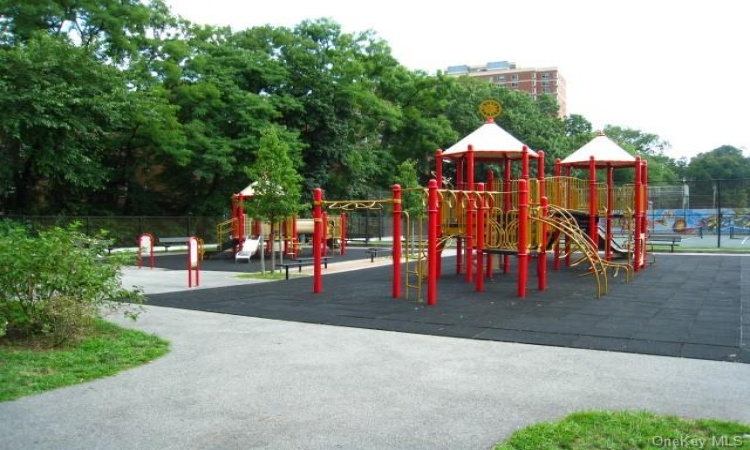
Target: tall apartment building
x=535 y=81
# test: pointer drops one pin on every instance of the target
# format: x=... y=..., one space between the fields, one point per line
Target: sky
x=677 y=69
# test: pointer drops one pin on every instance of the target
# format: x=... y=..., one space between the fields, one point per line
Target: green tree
x=111 y=29
x=57 y=106
x=413 y=197
x=423 y=124
x=661 y=168
x=579 y=131
x=278 y=185
x=339 y=112
x=725 y=163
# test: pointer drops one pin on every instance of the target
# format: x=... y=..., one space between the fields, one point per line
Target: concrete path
x=234 y=382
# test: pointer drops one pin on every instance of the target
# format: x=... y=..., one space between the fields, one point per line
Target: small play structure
x=243 y=234
x=530 y=216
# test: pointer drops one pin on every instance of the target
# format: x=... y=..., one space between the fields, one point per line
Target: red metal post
x=480 y=237
x=317 y=240
x=568 y=202
x=560 y=202
x=470 y=214
x=637 y=219
x=241 y=223
x=397 y=213
x=593 y=223
x=234 y=221
x=257 y=226
x=342 y=227
x=610 y=211
x=487 y=206
x=644 y=210
x=285 y=228
x=469 y=250
x=523 y=243
x=432 y=224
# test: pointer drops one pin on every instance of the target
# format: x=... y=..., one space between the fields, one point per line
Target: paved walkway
x=238 y=382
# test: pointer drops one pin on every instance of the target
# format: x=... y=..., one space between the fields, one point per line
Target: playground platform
x=690 y=306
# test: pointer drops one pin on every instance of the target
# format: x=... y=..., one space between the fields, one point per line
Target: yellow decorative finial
x=489 y=109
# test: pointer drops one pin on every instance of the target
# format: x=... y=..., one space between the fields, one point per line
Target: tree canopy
x=121 y=107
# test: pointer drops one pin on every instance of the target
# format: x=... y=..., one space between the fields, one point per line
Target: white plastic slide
x=249 y=247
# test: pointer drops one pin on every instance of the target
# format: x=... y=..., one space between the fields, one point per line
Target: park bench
x=170 y=241
x=299 y=262
x=376 y=251
x=671 y=240
x=358 y=237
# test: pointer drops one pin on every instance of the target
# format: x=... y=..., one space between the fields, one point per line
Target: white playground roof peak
x=249 y=191
x=605 y=151
x=489 y=141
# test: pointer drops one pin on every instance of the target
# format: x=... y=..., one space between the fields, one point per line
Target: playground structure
x=524 y=217
x=243 y=234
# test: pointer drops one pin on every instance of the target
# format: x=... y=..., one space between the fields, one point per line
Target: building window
x=514 y=77
x=514 y=85
x=501 y=78
x=545 y=76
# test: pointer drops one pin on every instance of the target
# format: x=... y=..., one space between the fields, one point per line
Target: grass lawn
x=628 y=430
x=108 y=349
x=279 y=275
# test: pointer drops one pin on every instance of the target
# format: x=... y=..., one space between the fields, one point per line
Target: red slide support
x=480 y=237
x=397 y=213
x=318 y=239
x=638 y=213
x=432 y=254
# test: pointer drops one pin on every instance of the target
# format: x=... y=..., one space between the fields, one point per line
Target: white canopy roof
x=489 y=142
x=605 y=152
x=252 y=188
x=249 y=191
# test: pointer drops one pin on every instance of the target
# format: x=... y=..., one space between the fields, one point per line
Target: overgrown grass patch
x=624 y=430
x=27 y=369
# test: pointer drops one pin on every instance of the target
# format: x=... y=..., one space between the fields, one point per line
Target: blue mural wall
x=690 y=221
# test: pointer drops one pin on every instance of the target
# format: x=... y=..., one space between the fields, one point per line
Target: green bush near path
x=624 y=430
x=25 y=369
x=56 y=281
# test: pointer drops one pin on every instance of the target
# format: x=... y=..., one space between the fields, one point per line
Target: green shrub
x=55 y=282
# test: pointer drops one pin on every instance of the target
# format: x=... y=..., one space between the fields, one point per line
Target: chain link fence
x=707 y=213
x=124 y=230
x=714 y=211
